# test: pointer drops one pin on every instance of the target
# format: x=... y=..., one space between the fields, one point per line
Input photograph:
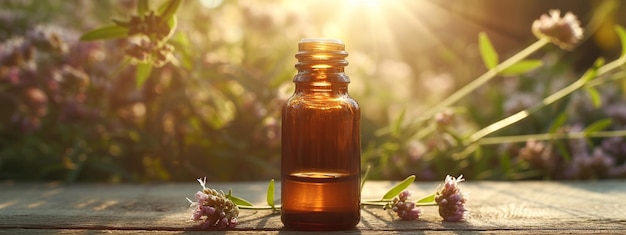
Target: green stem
x=615 y=77
x=547 y=136
x=365 y=175
x=277 y=207
x=425 y=204
x=373 y=203
x=487 y=76
x=363 y=203
x=383 y=203
x=611 y=66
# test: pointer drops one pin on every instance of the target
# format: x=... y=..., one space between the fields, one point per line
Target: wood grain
x=495 y=207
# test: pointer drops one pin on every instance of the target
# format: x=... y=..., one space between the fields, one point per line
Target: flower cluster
x=216 y=210
x=579 y=161
x=150 y=24
x=153 y=31
x=33 y=83
x=147 y=51
x=406 y=210
x=451 y=200
x=564 y=32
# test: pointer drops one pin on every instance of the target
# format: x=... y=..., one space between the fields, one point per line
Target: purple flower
x=201 y=197
x=451 y=200
x=214 y=208
x=406 y=210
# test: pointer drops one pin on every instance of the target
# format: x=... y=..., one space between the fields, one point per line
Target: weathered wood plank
x=367 y=232
x=584 y=207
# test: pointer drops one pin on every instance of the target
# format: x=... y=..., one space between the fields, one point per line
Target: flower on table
x=564 y=32
x=406 y=210
x=216 y=210
x=451 y=200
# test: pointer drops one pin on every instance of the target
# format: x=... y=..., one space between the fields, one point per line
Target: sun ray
x=415 y=19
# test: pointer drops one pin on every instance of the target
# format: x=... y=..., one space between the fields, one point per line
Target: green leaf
x=122 y=23
x=168 y=9
x=270 y=194
x=364 y=178
x=591 y=72
x=482 y=162
x=595 y=127
x=487 y=52
x=427 y=199
x=173 y=23
x=565 y=153
x=598 y=126
x=142 y=7
x=181 y=42
x=621 y=33
x=143 y=72
x=237 y=200
x=454 y=135
x=397 y=124
x=505 y=164
x=595 y=97
x=399 y=188
x=559 y=121
x=522 y=67
x=107 y=32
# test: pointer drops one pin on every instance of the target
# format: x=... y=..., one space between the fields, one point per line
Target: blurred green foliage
x=86 y=110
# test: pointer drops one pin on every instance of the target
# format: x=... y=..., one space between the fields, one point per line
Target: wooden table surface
x=495 y=207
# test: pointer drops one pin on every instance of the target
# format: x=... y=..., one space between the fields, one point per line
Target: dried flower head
x=216 y=210
x=451 y=200
x=406 y=210
x=564 y=32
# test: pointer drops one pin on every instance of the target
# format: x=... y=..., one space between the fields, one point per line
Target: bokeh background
x=69 y=111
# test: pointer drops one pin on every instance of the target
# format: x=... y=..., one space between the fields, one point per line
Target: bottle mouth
x=321 y=53
x=321 y=40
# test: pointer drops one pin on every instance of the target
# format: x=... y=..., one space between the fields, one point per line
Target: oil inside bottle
x=321 y=201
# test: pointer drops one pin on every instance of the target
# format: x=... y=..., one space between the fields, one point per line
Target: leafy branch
x=428 y=200
x=598 y=69
x=153 y=28
x=516 y=64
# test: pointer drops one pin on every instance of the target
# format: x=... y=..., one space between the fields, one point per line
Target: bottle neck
x=327 y=75
x=328 y=88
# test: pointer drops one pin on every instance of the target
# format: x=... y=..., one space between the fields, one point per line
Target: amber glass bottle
x=321 y=142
